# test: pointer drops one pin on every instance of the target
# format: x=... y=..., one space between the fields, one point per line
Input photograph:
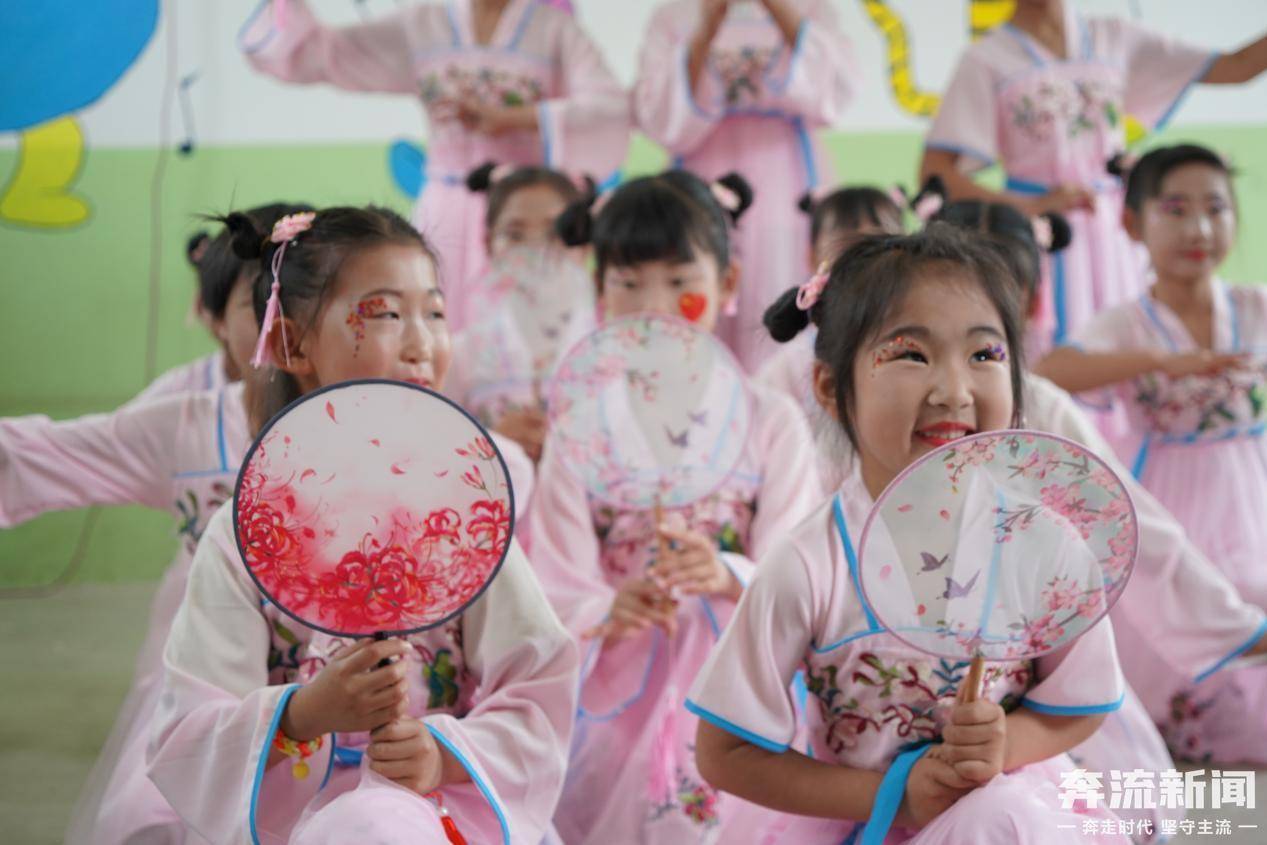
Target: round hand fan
x=650 y=411
x=1000 y=546
x=373 y=508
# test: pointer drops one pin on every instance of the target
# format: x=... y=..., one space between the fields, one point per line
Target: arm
x=586 y=128
x=1242 y=66
x=1033 y=737
x=788 y=782
x=786 y=18
x=124 y=457
x=1078 y=371
x=712 y=14
x=665 y=106
x=288 y=42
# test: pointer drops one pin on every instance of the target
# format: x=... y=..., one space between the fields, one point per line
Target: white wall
x=233 y=105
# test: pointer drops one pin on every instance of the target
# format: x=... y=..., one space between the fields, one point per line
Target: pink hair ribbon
x=725 y=197
x=808 y=294
x=285 y=231
x=1042 y=232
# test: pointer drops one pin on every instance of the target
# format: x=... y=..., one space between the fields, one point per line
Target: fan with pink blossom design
x=649 y=411
x=373 y=508
x=1004 y=545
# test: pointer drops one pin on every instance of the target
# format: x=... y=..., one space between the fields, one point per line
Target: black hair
x=656 y=218
x=1011 y=233
x=871 y=279
x=219 y=267
x=308 y=270
x=1145 y=177
x=851 y=208
x=480 y=180
x=196 y=246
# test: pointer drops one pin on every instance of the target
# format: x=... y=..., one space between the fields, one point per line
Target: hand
x=495 y=120
x=975 y=739
x=1061 y=199
x=404 y=751
x=1201 y=362
x=692 y=566
x=527 y=427
x=639 y=604
x=932 y=787
x=351 y=692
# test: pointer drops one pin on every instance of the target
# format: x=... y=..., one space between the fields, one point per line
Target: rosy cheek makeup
x=692 y=306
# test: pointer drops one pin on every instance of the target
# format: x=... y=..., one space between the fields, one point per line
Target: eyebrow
x=397 y=293
x=923 y=333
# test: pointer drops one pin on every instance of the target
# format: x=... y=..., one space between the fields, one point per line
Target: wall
x=76 y=304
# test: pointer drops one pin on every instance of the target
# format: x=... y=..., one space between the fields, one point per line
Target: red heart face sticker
x=692 y=305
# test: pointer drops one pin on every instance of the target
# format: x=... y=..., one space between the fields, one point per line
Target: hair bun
x=481 y=178
x=246 y=240
x=575 y=226
x=1119 y=165
x=806 y=202
x=741 y=189
x=784 y=320
x=1061 y=231
x=196 y=246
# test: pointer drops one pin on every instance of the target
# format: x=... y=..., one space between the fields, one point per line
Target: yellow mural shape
x=38 y=194
x=910 y=98
x=985 y=15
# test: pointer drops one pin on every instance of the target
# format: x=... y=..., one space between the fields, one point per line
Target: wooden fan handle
x=973 y=682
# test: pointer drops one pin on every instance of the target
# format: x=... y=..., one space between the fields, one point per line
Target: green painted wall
x=73 y=303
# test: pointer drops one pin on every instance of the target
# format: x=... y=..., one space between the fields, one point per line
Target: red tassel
x=451 y=830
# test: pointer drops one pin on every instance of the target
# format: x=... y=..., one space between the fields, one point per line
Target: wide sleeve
x=565 y=548
x=1159 y=71
x=217 y=714
x=744 y=687
x=1080 y=679
x=522 y=473
x=967 y=121
x=1176 y=598
x=664 y=105
x=586 y=128
x=124 y=457
x=790 y=488
x=1108 y=331
x=818 y=78
x=515 y=741
x=287 y=41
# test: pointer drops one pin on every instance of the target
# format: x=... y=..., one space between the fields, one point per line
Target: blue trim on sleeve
x=224 y=452
x=476 y=779
x=807 y=153
x=1141 y=457
x=1072 y=709
x=889 y=796
x=346 y=758
x=251 y=49
x=959 y=149
x=1235 y=653
x=547 y=139
x=581 y=713
x=263 y=763
x=730 y=727
x=1183 y=94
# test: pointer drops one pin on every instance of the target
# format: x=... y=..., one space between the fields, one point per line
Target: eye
x=994 y=352
x=436 y=314
x=910 y=355
x=677 y=282
x=1218 y=207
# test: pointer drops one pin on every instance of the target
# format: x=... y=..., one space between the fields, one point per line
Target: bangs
x=647 y=226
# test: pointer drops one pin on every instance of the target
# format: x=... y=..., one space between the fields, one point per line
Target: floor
x=66 y=664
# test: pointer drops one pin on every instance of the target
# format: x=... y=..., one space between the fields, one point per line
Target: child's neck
x=1046 y=25
x=1184 y=295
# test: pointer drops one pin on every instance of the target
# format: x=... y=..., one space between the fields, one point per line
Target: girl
x=655 y=240
x=1046 y=96
x=1197 y=442
x=223 y=306
x=918 y=344
x=743 y=85
x=358 y=288
x=523 y=204
x=166 y=449
x=1179 y=610
x=508 y=80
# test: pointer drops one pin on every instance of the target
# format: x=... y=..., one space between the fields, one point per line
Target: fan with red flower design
x=373 y=508
x=1004 y=545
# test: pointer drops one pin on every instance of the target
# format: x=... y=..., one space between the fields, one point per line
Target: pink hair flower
x=289 y=227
